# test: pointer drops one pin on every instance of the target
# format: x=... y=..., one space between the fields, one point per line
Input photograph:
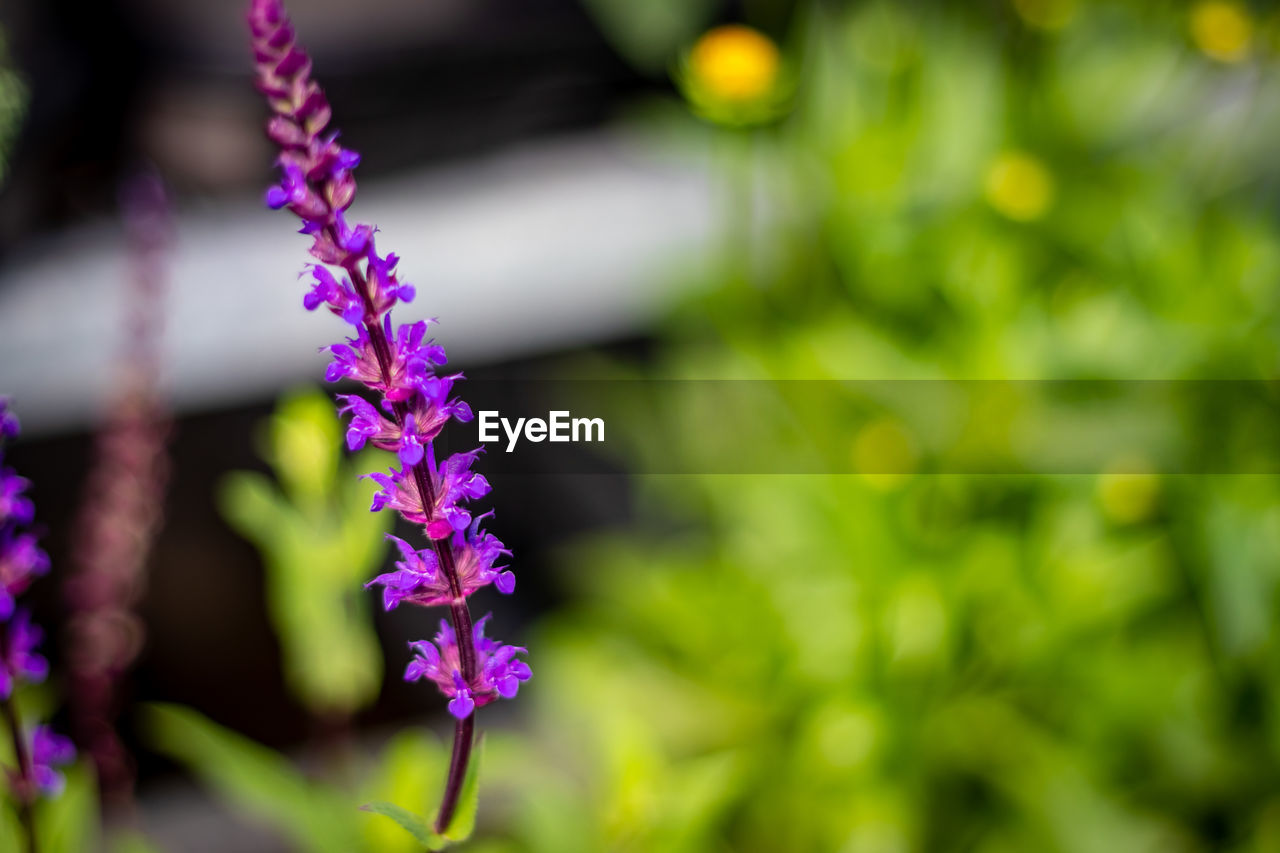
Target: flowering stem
x=471 y=669
x=459 y=612
x=24 y=784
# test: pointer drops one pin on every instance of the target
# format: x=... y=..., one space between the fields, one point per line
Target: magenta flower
x=450 y=483
x=14 y=506
x=398 y=364
x=418 y=579
x=499 y=675
x=49 y=750
x=19 y=661
x=428 y=412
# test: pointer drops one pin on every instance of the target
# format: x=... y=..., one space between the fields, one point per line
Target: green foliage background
x=923 y=662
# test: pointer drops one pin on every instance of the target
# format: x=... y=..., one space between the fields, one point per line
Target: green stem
x=24 y=786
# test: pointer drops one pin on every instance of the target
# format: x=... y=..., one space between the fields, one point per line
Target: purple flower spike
x=399 y=364
x=22 y=560
x=48 y=751
x=498 y=677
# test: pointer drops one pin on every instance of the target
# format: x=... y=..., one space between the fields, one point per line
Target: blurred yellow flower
x=1019 y=186
x=1222 y=29
x=884 y=454
x=1128 y=491
x=1046 y=14
x=735 y=63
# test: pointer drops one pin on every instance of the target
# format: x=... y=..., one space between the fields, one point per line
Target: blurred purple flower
x=20 y=663
x=48 y=751
x=21 y=560
x=14 y=506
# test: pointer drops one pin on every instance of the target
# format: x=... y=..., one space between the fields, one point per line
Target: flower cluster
x=399 y=364
x=22 y=561
x=418 y=579
x=500 y=671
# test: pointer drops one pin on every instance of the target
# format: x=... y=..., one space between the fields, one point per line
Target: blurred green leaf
x=254 y=780
x=70 y=822
x=414 y=824
x=320 y=544
x=303 y=435
x=410 y=770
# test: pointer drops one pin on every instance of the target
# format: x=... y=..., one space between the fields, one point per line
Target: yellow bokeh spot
x=735 y=63
x=1019 y=186
x=1046 y=14
x=1223 y=30
x=1128 y=491
x=884 y=454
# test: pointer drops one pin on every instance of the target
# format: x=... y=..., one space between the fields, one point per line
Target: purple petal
x=461 y=706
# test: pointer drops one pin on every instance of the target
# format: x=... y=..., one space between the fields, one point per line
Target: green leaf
x=255 y=779
x=409 y=771
x=464 y=817
x=304 y=440
x=252 y=505
x=415 y=825
x=69 y=823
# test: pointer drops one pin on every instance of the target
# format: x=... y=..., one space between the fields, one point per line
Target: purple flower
x=411 y=359
x=339 y=296
x=14 y=506
x=475 y=552
x=20 y=663
x=498 y=674
x=21 y=561
x=399 y=364
x=428 y=412
x=386 y=288
x=49 y=750
x=452 y=482
x=292 y=188
x=418 y=580
x=8 y=420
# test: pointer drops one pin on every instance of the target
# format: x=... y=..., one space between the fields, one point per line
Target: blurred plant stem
x=21 y=784
x=121 y=509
